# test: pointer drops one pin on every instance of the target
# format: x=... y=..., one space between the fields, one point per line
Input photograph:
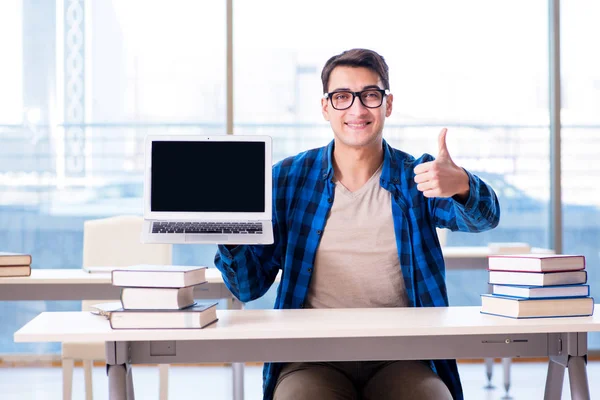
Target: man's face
x=357 y=126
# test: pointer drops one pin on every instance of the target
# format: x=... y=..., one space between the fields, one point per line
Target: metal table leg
x=506 y=371
x=554 y=379
x=489 y=369
x=237 y=369
x=578 y=381
x=118 y=370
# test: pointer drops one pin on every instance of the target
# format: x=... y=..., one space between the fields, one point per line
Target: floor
x=214 y=383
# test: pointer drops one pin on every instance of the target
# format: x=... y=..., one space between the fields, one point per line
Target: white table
x=76 y=284
x=332 y=335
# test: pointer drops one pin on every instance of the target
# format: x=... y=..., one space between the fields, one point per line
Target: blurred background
x=82 y=82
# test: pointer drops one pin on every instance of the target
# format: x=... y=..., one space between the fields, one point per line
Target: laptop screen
x=205 y=176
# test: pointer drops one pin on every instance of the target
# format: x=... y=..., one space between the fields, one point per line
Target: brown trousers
x=360 y=380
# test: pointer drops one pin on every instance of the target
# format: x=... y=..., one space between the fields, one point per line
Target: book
x=531 y=292
x=165 y=276
x=15 y=270
x=134 y=298
x=195 y=317
x=536 y=262
x=14 y=259
x=509 y=248
x=536 y=308
x=537 y=278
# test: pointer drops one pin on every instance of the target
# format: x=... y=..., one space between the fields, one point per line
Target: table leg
x=554 y=379
x=118 y=370
x=578 y=381
x=117 y=382
x=489 y=369
x=238 y=381
x=506 y=370
x=237 y=369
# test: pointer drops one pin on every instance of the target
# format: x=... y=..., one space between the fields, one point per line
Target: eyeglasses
x=370 y=98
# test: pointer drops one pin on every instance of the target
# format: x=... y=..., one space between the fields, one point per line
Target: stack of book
x=537 y=285
x=15 y=264
x=160 y=297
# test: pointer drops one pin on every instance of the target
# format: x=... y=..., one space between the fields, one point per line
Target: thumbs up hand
x=441 y=177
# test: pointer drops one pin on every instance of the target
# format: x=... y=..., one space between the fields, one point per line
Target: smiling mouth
x=357 y=126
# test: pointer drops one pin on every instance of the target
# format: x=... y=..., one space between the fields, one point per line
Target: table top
x=79 y=276
x=305 y=323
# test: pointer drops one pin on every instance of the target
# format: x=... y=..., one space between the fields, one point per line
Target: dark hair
x=357 y=58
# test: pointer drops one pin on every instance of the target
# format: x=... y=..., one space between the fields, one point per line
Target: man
x=354 y=225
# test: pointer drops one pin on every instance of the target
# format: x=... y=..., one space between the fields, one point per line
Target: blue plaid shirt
x=303 y=192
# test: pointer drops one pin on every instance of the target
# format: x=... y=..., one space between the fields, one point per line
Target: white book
x=134 y=298
x=536 y=308
x=536 y=292
x=164 y=276
x=536 y=262
x=537 y=278
x=194 y=317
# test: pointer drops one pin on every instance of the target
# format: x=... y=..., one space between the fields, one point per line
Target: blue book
x=540 y=292
x=514 y=307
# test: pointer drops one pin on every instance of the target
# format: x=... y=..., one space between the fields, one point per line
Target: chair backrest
x=115 y=241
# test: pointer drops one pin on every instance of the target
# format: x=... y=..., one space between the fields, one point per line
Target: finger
x=424 y=167
x=431 y=193
x=424 y=177
x=442 y=147
x=425 y=186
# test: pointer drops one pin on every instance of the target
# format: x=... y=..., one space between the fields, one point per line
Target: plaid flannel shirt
x=303 y=191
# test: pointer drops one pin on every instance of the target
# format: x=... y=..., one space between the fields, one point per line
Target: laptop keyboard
x=251 y=228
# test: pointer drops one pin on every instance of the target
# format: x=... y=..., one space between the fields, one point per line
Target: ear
x=388 y=104
x=325 y=108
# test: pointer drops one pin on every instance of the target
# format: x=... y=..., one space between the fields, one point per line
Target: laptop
x=208 y=189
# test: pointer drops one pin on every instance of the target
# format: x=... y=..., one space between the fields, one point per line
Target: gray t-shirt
x=357 y=263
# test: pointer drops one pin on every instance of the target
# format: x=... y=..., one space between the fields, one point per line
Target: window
x=580 y=69
x=452 y=64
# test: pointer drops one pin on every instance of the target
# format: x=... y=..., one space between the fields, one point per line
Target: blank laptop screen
x=207 y=176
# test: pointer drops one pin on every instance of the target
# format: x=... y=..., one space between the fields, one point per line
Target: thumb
x=442 y=147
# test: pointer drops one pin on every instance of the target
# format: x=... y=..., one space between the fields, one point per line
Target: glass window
x=580 y=70
x=11 y=95
x=452 y=64
x=82 y=84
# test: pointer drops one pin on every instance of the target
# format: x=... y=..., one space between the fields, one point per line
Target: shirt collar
x=390 y=171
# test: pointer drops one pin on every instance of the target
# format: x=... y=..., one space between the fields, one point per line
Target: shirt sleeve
x=248 y=271
x=480 y=212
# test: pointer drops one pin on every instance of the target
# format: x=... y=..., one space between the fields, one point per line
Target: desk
x=474 y=257
x=76 y=284
x=332 y=335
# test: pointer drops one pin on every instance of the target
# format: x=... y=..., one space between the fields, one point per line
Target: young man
x=354 y=226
